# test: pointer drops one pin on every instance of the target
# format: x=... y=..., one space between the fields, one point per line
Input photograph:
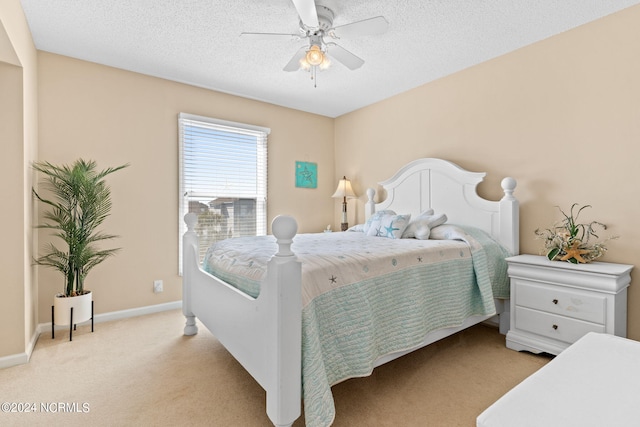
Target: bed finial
x=191 y=219
x=370 y=193
x=284 y=227
x=508 y=185
x=370 y=205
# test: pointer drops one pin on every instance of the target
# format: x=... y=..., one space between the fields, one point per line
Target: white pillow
x=357 y=227
x=435 y=220
x=449 y=232
x=429 y=221
x=423 y=232
x=390 y=226
x=415 y=223
x=375 y=217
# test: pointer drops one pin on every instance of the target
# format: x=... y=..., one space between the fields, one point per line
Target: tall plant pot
x=71 y=311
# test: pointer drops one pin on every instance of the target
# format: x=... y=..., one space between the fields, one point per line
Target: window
x=223 y=178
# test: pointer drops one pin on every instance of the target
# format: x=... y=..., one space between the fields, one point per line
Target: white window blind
x=223 y=178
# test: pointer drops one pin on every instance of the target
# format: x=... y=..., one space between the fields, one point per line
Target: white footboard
x=265 y=333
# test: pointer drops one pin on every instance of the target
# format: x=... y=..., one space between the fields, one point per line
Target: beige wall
x=18 y=136
x=11 y=255
x=561 y=116
x=114 y=117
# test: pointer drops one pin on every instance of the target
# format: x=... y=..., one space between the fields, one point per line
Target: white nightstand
x=554 y=303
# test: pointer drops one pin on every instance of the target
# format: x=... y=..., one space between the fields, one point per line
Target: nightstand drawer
x=566 y=302
x=553 y=326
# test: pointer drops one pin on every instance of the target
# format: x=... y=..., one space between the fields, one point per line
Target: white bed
x=593 y=383
x=265 y=333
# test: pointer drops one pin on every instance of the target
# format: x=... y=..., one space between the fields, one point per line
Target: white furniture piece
x=264 y=333
x=593 y=383
x=554 y=303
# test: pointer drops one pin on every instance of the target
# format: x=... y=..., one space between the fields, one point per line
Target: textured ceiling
x=198 y=42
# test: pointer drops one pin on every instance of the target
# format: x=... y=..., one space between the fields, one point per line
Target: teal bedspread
x=433 y=285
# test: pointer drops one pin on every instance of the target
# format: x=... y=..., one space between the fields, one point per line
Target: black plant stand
x=72 y=326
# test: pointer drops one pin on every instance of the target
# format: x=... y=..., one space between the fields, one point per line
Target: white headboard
x=447 y=188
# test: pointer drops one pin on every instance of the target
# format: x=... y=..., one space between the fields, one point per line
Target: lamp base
x=344 y=226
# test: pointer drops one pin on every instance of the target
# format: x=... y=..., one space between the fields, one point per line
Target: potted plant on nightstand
x=569 y=240
x=79 y=202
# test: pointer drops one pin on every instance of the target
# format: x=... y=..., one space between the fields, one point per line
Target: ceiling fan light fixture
x=314 y=56
x=304 y=64
x=326 y=63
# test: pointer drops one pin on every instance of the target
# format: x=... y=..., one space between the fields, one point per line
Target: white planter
x=81 y=309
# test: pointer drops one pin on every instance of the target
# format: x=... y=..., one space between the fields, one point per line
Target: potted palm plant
x=78 y=200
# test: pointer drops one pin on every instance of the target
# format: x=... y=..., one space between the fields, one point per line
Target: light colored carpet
x=143 y=372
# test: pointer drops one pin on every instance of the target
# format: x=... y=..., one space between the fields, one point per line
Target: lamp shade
x=344 y=189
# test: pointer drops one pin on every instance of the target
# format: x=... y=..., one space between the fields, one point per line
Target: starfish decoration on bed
x=390 y=229
x=333 y=279
x=575 y=252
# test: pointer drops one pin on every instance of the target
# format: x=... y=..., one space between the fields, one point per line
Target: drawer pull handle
x=555 y=326
x=555 y=301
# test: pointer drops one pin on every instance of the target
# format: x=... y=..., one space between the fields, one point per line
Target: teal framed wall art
x=306 y=175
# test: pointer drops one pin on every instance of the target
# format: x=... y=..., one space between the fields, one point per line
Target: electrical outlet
x=157 y=286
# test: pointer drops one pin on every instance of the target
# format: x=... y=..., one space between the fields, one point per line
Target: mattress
x=593 y=383
x=334 y=260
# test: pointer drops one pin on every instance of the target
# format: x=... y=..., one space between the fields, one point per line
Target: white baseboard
x=13 y=360
x=21 y=358
x=133 y=312
x=117 y=315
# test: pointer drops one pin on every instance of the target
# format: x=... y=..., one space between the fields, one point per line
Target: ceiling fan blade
x=294 y=62
x=366 y=27
x=307 y=12
x=270 y=36
x=343 y=56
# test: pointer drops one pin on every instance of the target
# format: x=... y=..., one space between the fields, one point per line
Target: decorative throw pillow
x=375 y=217
x=428 y=221
x=449 y=232
x=415 y=223
x=423 y=232
x=389 y=226
x=436 y=220
x=357 y=227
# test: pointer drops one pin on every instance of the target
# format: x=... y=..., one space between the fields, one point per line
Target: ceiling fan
x=316 y=23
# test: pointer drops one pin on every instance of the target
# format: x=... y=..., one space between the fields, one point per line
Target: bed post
x=189 y=250
x=509 y=217
x=510 y=237
x=284 y=343
x=370 y=206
